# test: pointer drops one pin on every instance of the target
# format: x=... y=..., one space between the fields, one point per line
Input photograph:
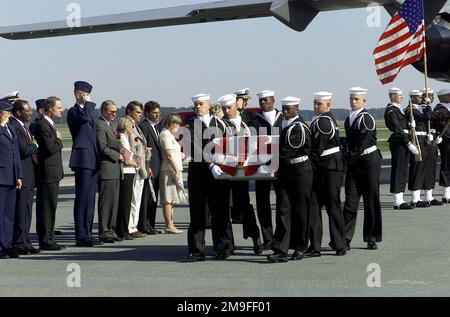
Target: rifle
x=414 y=139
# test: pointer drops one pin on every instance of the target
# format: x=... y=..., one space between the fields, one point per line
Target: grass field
x=382 y=133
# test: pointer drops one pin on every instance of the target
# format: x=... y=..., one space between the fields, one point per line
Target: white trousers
x=138 y=187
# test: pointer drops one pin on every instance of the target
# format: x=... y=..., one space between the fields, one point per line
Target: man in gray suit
x=110 y=172
x=147 y=214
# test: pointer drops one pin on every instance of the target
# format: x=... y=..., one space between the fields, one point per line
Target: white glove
x=427 y=101
x=430 y=137
x=412 y=124
x=216 y=171
x=413 y=149
x=438 y=140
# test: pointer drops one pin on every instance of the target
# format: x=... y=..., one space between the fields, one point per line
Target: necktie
x=156 y=131
x=34 y=156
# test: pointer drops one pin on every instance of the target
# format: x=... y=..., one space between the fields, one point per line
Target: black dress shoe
x=257 y=246
x=152 y=231
x=21 y=251
x=13 y=253
x=58 y=232
x=422 y=204
x=223 y=256
x=405 y=206
x=107 y=240
x=435 y=202
x=341 y=252
x=129 y=237
x=267 y=245
x=278 y=258
x=118 y=239
x=194 y=257
x=312 y=253
x=84 y=243
x=445 y=200
x=372 y=245
x=33 y=250
x=297 y=255
x=52 y=247
x=3 y=256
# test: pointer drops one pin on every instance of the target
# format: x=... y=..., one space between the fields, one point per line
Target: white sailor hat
x=429 y=90
x=322 y=95
x=11 y=95
x=290 y=101
x=266 y=93
x=357 y=91
x=415 y=92
x=201 y=97
x=443 y=92
x=395 y=90
x=227 y=100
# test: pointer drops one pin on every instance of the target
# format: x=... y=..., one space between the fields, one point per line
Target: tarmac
x=412 y=260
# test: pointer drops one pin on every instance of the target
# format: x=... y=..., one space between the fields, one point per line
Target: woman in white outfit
x=171 y=180
x=125 y=127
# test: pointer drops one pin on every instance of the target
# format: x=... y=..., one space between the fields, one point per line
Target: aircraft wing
x=297 y=14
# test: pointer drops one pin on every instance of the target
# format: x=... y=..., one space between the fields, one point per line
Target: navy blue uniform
x=10 y=172
x=363 y=177
x=83 y=161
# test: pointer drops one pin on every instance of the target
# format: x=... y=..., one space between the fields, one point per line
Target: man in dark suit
x=10 y=180
x=50 y=170
x=39 y=113
x=266 y=122
x=24 y=202
x=83 y=161
x=108 y=144
x=147 y=214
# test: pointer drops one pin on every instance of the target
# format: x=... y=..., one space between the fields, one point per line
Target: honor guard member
x=363 y=171
x=39 y=113
x=243 y=98
x=239 y=189
x=28 y=149
x=266 y=122
x=417 y=169
x=431 y=157
x=441 y=121
x=328 y=164
x=11 y=97
x=83 y=161
x=295 y=176
x=399 y=145
x=204 y=187
x=50 y=170
x=10 y=180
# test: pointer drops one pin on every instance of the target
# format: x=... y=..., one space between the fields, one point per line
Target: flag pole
x=425 y=63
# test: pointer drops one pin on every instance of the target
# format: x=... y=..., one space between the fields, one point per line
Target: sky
x=171 y=64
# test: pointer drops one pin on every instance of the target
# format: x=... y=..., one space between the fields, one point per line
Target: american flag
x=403 y=41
